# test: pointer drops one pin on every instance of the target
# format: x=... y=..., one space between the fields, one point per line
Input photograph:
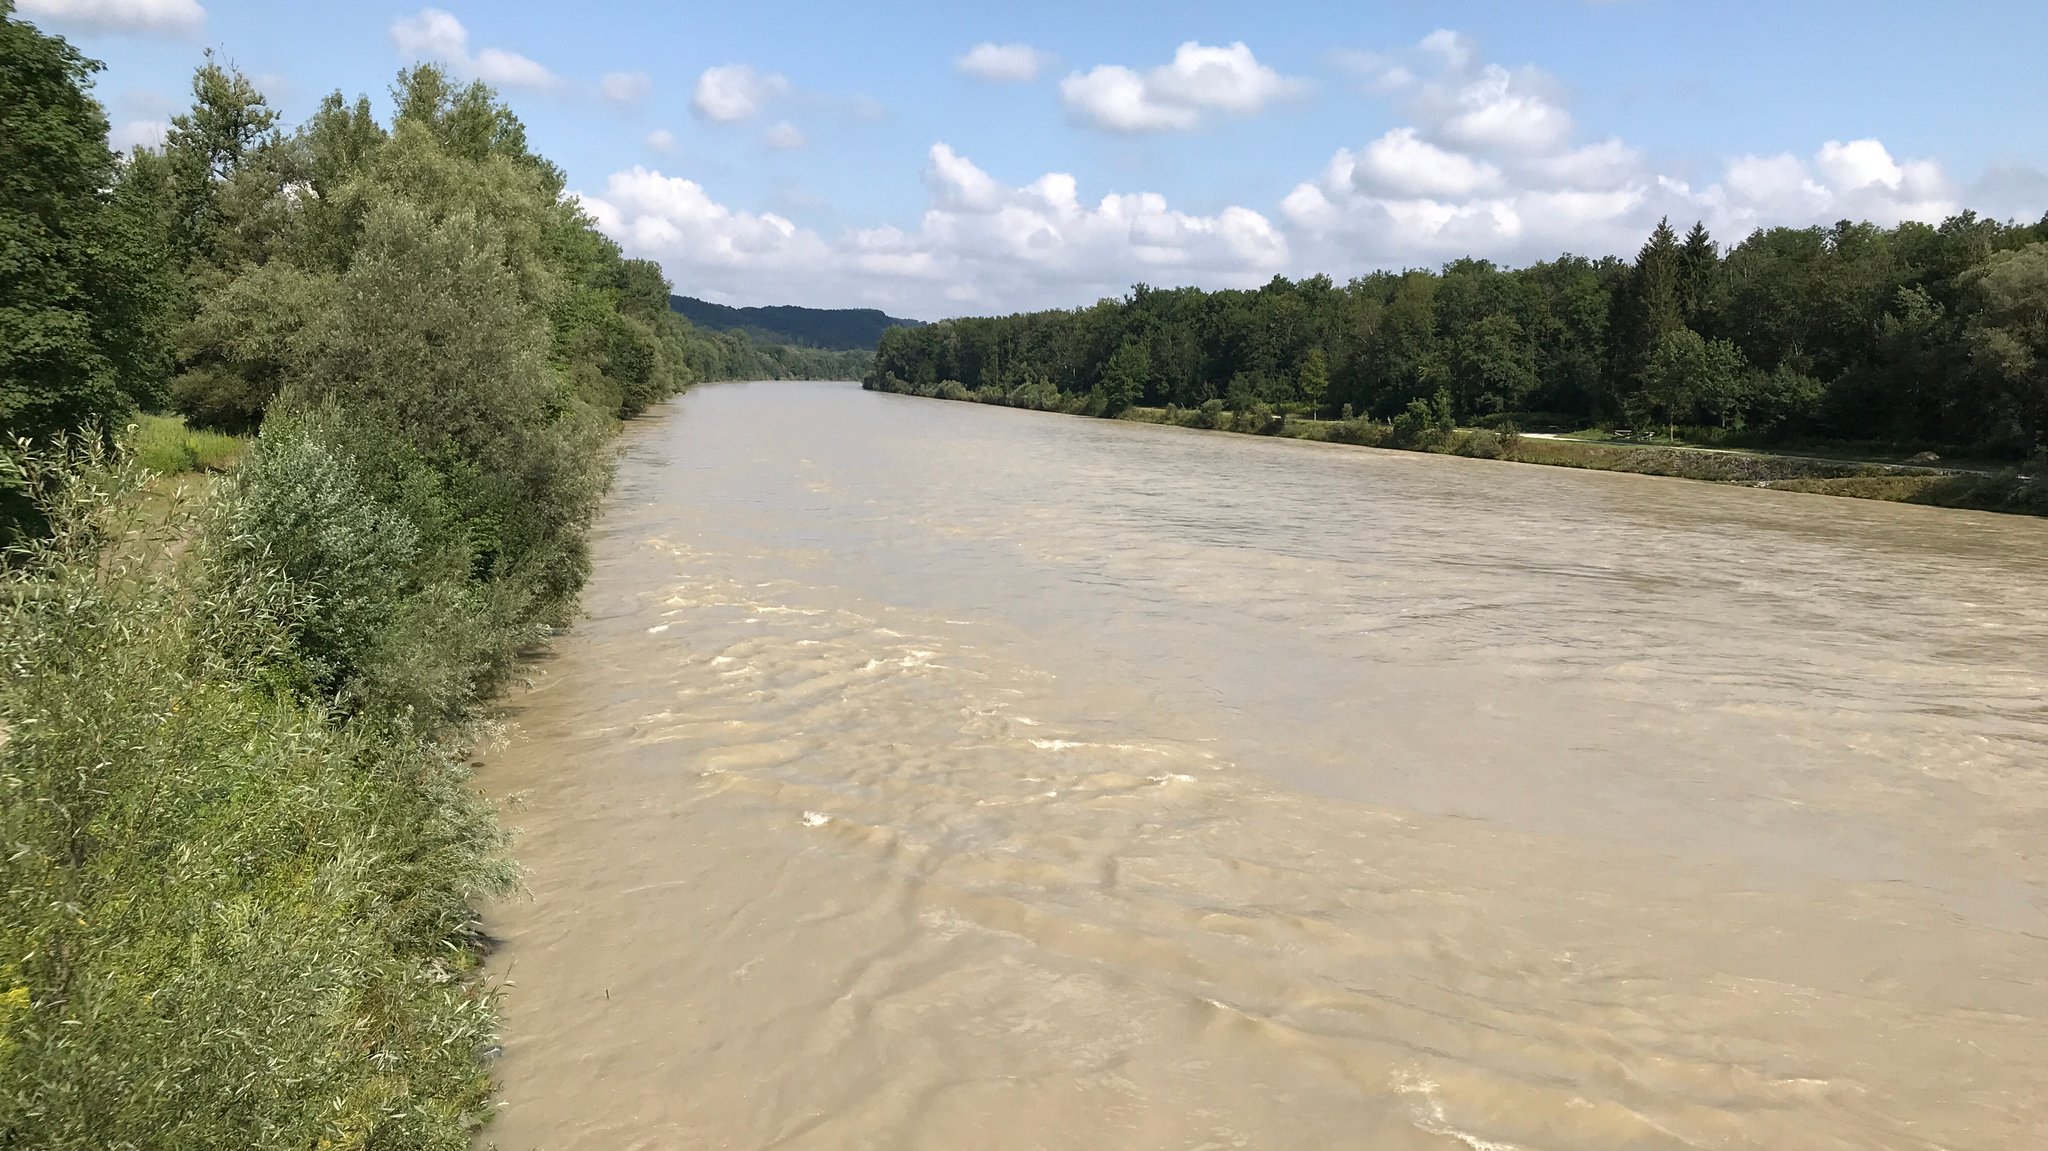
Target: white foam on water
x=816 y=819
x=657 y=629
x=1429 y=1115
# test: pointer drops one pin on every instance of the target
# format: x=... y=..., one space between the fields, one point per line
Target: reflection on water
x=939 y=776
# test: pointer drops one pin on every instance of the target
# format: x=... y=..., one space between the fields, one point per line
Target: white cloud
x=431 y=35
x=147 y=16
x=131 y=134
x=1489 y=168
x=1504 y=111
x=1004 y=63
x=1177 y=96
x=1453 y=48
x=980 y=244
x=668 y=214
x=732 y=93
x=435 y=35
x=1403 y=163
x=1487 y=165
x=1856 y=180
x=511 y=70
x=786 y=137
x=661 y=140
x=1858 y=164
x=624 y=88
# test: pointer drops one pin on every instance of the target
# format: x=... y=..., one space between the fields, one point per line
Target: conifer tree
x=1699 y=268
x=1646 y=310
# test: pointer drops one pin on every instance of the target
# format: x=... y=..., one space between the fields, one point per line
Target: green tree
x=1124 y=377
x=207 y=147
x=1687 y=372
x=2008 y=334
x=79 y=338
x=1648 y=309
x=1315 y=380
x=1699 y=267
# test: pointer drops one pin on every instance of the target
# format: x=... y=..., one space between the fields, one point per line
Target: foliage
x=238 y=852
x=79 y=287
x=1914 y=336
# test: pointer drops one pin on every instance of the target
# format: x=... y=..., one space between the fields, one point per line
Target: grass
x=163 y=444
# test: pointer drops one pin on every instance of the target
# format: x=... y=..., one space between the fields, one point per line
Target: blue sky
x=939 y=159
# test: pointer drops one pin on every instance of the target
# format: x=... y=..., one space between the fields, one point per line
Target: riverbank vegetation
x=1905 y=340
x=239 y=849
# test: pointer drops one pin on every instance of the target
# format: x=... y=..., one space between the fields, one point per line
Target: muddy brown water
x=932 y=775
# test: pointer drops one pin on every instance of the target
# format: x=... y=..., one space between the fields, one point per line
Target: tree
x=1315 y=380
x=1647 y=309
x=2008 y=334
x=206 y=148
x=1493 y=364
x=1123 y=379
x=1699 y=266
x=78 y=333
x=1686 y=371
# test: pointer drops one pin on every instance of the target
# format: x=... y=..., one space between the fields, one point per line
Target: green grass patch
x=164 y=445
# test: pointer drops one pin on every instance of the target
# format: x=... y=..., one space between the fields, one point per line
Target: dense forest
x=239 y=849
x=1918 y=335
x=832 y=329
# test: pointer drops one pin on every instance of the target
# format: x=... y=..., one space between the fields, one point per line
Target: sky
x=948 y=159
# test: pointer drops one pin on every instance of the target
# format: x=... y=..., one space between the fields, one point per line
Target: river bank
x=2011 y=491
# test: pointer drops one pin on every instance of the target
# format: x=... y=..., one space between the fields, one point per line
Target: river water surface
x=932 y=775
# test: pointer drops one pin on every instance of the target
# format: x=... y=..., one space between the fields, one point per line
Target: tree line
x=1926 y=335
x=182 y=277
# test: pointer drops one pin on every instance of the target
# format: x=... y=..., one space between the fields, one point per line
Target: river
x=933 y=775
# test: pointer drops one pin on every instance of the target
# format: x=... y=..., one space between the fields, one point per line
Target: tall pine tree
x=1699 y=270
x=1646 y=310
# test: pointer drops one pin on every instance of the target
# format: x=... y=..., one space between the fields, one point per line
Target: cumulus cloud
x=1178 y=96
x=661 y=140
x=158 y=17
x=980 y=244
x=671 y=217
x=436 y=35
x=1856 y=179
x=733 y=93
x=1489 y=162
x=131 y=134
x=1402 y=163
x=1489 y=167
x=624 y=88
x=1004 y=63
x=786 y=137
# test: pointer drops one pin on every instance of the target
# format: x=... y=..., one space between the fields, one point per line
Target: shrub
x=1481 y=444
x=1416 y=427
x=233 y=919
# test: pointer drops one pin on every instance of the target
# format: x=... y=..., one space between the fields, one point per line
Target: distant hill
x=833 y=329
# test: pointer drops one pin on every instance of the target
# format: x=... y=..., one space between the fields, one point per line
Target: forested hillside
x=1928 y=336
x=239 y=850
x=833 y=329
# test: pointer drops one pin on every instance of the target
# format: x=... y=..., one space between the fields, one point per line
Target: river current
x=930 y=775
